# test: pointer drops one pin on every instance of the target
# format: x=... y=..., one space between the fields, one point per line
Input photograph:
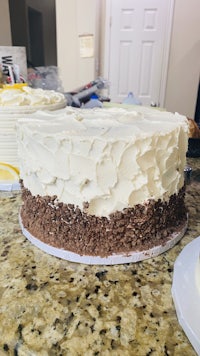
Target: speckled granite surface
x=52 y=307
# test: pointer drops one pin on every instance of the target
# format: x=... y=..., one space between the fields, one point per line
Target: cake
x=103 y=182
x=17 y=103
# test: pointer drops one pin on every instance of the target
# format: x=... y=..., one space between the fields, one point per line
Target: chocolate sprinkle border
x=67 y=227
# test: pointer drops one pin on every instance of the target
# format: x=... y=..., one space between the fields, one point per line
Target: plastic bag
x=45 y=78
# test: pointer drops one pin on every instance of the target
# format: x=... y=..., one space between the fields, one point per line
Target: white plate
x=9 y=186
x=186 y=291
x=133 y=256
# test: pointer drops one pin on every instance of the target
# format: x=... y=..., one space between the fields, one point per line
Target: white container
x=186 y=291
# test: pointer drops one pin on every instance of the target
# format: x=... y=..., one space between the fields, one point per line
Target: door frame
x=168 y=34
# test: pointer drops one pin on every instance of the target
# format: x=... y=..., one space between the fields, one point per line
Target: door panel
x=137 y=48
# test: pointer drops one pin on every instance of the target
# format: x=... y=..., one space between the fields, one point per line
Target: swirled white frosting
x=27 y=96
x=110 y=158
x=18 y=103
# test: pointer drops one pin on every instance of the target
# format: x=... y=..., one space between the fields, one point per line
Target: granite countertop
x=49 y=306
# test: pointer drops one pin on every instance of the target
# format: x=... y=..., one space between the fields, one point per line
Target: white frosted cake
x=17 y=103
x=103 y=181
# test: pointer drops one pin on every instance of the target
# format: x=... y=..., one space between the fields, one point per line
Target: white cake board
x=9 y=186
x=186 y=291
x=97 y=260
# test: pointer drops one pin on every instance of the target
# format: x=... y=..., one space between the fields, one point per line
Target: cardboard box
x=13 y=55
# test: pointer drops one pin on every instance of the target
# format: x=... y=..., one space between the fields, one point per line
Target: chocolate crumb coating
x=66 y=226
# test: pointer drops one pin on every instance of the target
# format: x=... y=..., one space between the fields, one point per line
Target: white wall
x=75 y=18
x=184 y=60
x=5 y=33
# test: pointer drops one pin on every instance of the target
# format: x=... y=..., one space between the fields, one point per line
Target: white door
x=138 y=41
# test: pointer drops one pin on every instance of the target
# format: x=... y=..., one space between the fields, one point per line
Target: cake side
x=111 y=159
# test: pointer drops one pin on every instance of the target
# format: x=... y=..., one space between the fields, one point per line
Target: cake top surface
x=27 y=96
x=104 y=123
